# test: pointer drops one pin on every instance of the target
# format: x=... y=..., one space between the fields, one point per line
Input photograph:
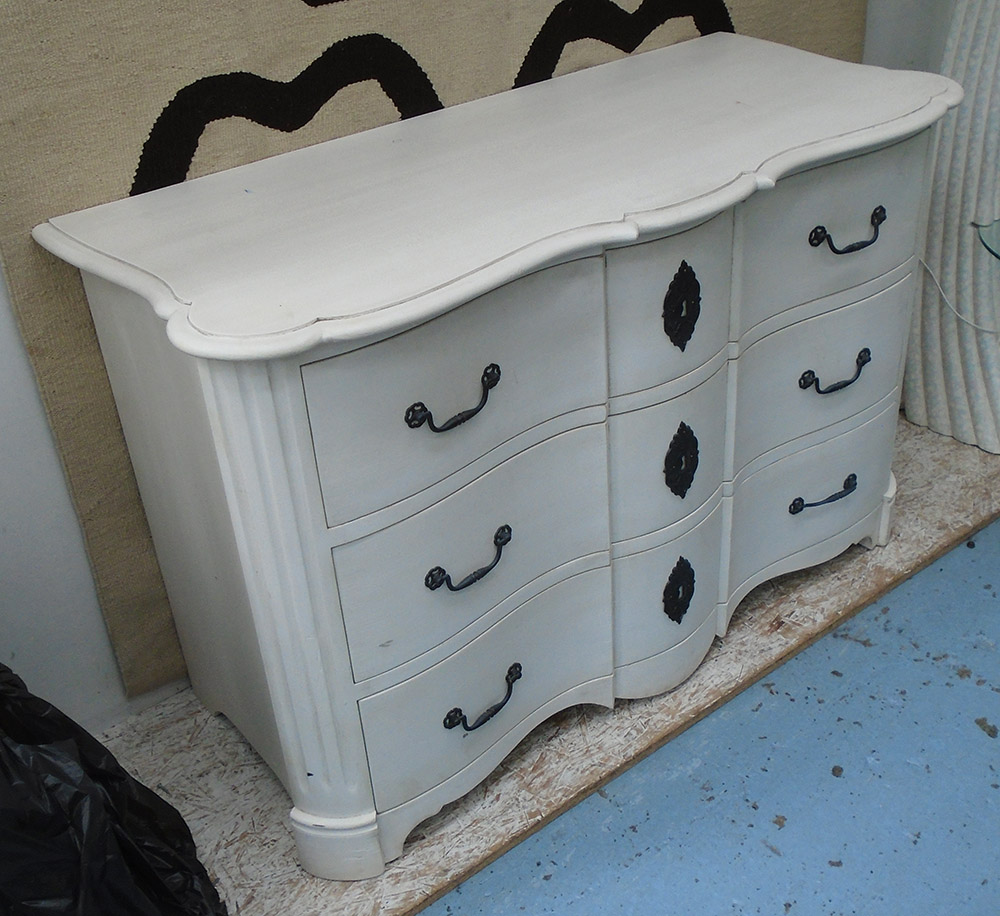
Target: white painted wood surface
x=333 y=265
x=311 y=298
x=829 y=345
x=409 y=750
x=666 y=670
x=367 y=455
x=639 y=442
x=841 y=198
x=639 y=584
x=391 y=615
x=765 y=531
x=637 y=278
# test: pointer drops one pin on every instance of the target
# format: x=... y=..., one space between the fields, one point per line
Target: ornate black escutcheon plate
x=681 y=461
x=682 y=306
x=679 y=590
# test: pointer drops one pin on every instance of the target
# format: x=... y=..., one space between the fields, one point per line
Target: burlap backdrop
x=84 y=81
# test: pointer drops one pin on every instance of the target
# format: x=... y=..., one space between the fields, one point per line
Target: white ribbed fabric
x=952 y=380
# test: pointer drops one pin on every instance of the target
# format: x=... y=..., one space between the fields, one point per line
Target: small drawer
x=664 y=594
x=668 y=459
x=560 y=639
x=660 y=673
x=544 y=332
x=668 y=305
x=782 y=268
x=820 y=371
x=802 y=500
x=552 y=500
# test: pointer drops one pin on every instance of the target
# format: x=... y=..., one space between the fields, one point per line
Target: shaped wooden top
x=361 y=237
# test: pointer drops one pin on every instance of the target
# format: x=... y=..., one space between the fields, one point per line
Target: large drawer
x=560 y=639
x=664 y=594
x=766 y=528
x=668 y=305
x=666 y=460
x=798 y=379
x=545 y=332
x=551 y=497
x=780 y=266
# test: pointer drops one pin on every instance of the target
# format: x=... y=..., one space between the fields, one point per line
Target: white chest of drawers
x=449 y=425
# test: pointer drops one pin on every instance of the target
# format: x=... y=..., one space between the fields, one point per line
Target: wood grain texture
x=237 y=810
x=537 y=168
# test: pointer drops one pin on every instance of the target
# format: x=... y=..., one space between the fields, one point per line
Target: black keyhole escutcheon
x=681 y=461
x=679 y=590
x=682 y=306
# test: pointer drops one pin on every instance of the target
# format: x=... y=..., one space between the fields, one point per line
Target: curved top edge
x=350 y=333
x=154 y=290
x=867 y=140
x=687 y=214
x=81 y=239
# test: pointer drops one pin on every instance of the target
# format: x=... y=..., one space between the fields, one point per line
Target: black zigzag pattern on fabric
x=572 y=20
x=173 y=141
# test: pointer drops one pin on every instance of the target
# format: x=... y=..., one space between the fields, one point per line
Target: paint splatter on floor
x=889 y=800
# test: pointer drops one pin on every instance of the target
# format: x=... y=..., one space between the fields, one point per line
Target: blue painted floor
x=862 y=777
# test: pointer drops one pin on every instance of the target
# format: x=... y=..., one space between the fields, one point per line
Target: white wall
x=52 y=633
x=907 y=34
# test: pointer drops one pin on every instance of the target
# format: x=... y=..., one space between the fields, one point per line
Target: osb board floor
x=238 y=812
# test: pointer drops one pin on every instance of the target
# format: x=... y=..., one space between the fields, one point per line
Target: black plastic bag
x=78 y=835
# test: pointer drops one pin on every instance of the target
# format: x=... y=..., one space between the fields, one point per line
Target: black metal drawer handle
x=417 y=413
x=456 y=717
x=809 y=379
x=437 y=577
x=819 y=235
x=850 y=485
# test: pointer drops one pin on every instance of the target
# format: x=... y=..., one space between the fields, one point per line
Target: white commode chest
x=449 y=425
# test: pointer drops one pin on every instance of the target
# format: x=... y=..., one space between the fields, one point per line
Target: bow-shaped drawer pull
x=456 y=717
x=850 y=485
x=437 y=577
x=809 y=379
x=417 y=413
x=819 y=235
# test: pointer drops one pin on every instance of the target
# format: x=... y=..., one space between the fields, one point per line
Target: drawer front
x=765 y=529
x=660 y=673
x=663 y=595
x=552 y=500
x=820 y=371
x=780 y=266
x=668 y=459
x=668 y=305
x=545 y=332
x=561 y=638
